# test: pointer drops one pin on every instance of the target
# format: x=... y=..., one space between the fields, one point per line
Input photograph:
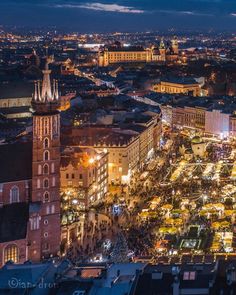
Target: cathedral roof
x=16 y=162
x=16 y=90
x=13 y=222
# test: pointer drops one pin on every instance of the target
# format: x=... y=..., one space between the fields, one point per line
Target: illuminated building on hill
x=118 y=54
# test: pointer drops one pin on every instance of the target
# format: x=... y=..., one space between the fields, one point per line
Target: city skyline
x=117 y=147
x=126 y=15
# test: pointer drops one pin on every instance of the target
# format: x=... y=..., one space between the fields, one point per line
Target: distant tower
x=162 y=49
x=175 y=45
x=103 y=57
x=34 y=59
x=45 y=230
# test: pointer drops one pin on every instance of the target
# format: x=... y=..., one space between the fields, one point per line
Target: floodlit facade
x=84 y=175
x=118 y=54
x=177 y=87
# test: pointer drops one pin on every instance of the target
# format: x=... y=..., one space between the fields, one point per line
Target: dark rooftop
x=16 y=162
x=13 y=222
x=180 y=80
x=16 y=90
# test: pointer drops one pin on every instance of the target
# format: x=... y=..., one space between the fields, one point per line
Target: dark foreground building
x=61 y=278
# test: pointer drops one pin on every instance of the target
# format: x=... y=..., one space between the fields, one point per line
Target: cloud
x=184 y=12
x=233 y=14
x=103 y=7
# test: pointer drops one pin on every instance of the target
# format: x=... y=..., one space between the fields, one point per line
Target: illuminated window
x=14 y=194
x=11 y=252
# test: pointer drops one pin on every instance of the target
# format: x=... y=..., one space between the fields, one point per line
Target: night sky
x=121 y=15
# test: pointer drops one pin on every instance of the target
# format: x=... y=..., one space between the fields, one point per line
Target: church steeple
x=175 y=45
x=46 y=96
x=46 y=86
x=45 y=169
x=162 y=44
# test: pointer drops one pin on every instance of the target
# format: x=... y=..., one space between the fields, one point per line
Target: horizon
x=122 y=15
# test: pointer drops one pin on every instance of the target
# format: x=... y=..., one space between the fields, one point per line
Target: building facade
x=84 y=176
x=118 y=54
x=178 y=87
x=209 y=121
x=128 y=146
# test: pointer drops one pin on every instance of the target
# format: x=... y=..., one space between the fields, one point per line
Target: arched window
x=46 y=197
x=46 y=183
x=46 y=126
x=45 y=169
x=11 y=252
x=46 y=143
x=14 y=194
x=46 y=156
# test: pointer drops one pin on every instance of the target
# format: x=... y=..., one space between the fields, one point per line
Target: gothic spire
x=47 y=93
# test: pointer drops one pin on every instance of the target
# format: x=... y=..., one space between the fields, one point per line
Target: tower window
x=14 y=194
x=46 y=126
x=46 y=156
x=11 y=252
x=46 y=197
x=34 y=223
x=45 y=183
x=50 y=209
x=46 y=143
x=45 y=169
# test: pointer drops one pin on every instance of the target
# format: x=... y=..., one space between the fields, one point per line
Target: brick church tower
x=45 y=230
